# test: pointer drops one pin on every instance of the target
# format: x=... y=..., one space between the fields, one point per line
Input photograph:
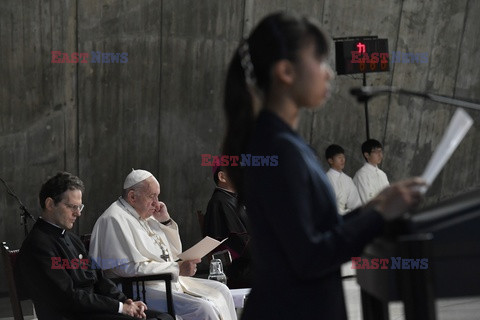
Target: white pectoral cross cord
x=157 y=239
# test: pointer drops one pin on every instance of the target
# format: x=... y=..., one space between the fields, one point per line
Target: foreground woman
x=299 y=240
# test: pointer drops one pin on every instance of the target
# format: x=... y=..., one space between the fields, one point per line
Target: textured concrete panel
x=119 y=105
x=30 y=156
x=415 y=126
x=468 y=72
x=463 y=171
x=195 y=56
x=36 y=100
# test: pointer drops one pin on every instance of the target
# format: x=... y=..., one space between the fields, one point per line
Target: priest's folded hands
x=134 y=308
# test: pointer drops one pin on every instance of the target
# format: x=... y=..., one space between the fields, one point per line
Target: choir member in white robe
x=346 y=193
x=137 y=231
x=370 y=179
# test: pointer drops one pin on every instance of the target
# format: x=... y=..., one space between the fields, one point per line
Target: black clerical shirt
x=224 y=219
x=61 y=286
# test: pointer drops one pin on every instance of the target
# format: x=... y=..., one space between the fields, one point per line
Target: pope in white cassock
x=137 y=228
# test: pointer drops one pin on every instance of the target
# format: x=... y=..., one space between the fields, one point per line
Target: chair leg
x=34 y=312
x=373 y=308
x=170 y=306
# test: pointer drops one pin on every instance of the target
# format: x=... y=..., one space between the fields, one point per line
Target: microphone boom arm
x=365 y=93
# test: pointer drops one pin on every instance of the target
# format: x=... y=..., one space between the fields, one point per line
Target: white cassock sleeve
x=353 y=198
x=364 y=191
x=384 y=180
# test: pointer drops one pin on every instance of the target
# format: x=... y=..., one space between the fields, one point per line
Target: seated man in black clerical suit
x=224 y=219
x=54 y=267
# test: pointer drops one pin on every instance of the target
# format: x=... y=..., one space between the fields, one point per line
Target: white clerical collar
x=53 y=224
x=371 y=166
x=128 y=208
x=336 y=172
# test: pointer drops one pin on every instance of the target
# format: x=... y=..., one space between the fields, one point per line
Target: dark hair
x=57 y=185
x=369 y=145
x=278 y=36
x=215 y=174
x=332 y=150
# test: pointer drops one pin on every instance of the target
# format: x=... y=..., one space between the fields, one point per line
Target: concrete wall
x=162 y=109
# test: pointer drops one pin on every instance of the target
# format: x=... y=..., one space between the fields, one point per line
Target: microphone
x=364 y=94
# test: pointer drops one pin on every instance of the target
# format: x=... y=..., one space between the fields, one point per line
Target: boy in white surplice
x=345 y=191
x=370 y=179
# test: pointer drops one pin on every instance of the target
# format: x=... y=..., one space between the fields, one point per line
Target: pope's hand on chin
x=161 y=214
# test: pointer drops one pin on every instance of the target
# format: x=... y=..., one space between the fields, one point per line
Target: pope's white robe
x=370 y=180
x=345 y=191
x=118 y=236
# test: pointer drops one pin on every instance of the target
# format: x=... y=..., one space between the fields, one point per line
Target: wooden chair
x=16 y=294
x=128 y=284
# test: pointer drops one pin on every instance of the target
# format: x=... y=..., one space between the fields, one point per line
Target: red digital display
x=361 y=55
x=361 y=47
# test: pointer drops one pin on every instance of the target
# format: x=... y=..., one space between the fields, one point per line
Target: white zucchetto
x=135 y=177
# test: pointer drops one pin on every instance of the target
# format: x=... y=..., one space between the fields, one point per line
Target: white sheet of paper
x=199 y=250
x=456 y=131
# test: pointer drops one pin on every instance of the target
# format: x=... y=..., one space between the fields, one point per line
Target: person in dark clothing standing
x=299 y=240
x=225 y=218
x=54 y=267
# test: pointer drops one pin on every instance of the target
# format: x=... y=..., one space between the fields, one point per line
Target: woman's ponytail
x=238 y=105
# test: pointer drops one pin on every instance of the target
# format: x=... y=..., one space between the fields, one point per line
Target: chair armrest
x=128 y=283
x=152 y=277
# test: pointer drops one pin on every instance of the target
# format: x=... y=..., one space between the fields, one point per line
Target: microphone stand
x=24 y=214
x=366 y=107
x=430 y=96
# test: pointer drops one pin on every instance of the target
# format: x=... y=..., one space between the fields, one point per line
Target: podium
x=448 y=235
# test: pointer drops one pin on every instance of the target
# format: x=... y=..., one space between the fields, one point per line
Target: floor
x=447 y=309
x=6 y=310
